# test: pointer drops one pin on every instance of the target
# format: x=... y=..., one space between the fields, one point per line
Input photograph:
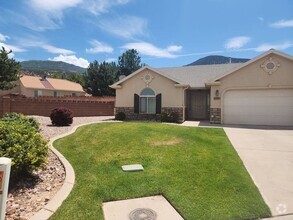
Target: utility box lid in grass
x=132 y=168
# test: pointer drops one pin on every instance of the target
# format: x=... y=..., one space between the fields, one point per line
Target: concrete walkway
x=268 y=156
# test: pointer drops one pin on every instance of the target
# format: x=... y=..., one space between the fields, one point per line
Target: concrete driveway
x=268 y=156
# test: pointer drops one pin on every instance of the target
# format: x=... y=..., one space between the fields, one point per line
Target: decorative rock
x=31 y=194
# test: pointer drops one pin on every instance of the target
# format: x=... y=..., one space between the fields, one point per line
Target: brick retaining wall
x=81 y=106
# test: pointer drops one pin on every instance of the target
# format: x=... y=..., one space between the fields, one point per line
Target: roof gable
x=115 y=85
x=271 y=51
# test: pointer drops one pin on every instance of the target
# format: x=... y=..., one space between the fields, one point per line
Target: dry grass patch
x=169 y=142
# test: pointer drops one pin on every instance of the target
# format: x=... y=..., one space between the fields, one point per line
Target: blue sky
x=165 y=32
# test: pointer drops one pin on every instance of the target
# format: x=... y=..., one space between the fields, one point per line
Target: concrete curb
x=48 y=210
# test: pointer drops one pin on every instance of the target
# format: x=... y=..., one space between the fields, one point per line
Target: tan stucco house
x=258 y=92
x=34 y=86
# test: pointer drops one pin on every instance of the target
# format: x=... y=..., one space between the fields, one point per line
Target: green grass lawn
x=196 y=169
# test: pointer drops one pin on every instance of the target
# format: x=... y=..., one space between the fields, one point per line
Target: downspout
x=184 y=102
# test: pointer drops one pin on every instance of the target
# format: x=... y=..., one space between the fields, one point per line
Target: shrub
x=12 y=117
x=164 y=117
x=172 y=117
x=61 y=116
x=20 y=141
x=120 y=116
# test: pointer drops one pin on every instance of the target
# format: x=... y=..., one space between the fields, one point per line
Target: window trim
x=147 y=101
x=38 y=93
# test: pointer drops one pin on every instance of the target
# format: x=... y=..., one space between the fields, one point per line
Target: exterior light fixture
x=217 y=93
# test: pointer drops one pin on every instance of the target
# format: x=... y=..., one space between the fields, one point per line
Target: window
x=56 y=94
x=147 y=101
x=38 y=93
x=73 y=94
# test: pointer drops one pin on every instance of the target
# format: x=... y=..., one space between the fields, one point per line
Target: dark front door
x=198 y=104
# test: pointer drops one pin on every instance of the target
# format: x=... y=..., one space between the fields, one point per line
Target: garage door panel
x=259 y=107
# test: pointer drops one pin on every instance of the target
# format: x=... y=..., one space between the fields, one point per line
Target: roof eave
x=181 y=85
x=209 y=84
x=114 y=86
x=61 y=90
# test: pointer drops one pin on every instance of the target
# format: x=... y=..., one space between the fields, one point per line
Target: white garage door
x=259 y=107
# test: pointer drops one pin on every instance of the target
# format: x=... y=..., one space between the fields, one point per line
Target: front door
x=197 y=104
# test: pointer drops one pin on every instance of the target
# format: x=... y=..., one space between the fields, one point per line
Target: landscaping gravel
x=33 y=193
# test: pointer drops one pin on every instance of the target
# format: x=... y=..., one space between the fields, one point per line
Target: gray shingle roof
x=197 y=76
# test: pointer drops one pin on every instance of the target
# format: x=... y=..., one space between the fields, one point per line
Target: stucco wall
x=171 y=96
x=253 y=76
x=31 y=92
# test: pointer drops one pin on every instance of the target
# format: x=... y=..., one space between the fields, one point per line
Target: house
x=258 y=92
x=34 y=86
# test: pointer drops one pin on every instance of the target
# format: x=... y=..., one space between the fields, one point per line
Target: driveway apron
x=268 y=156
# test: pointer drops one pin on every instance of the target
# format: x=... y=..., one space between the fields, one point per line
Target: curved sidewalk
x=48 y=210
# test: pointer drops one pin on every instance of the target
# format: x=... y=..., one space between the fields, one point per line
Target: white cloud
x=34 y=42
x=99 y=47
x=9 y=47
x=236 y=42
x=148 y=49
x=32 y=19
x=174 y=48
x=53 y=5
x=52 y=49
x=97 y=7
x=128 y=27
x=266 y=46
x=261 y=19
x=3 y=37
x=282 y=24
x=72 y=60
x=44 y=15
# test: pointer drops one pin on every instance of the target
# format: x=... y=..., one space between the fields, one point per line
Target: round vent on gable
x=270 y=65
x=147 y=78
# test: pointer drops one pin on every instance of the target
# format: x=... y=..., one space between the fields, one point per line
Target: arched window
x=147 y=101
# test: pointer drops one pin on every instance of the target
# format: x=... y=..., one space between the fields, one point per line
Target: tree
x=9 y=69
x=74 y=77
x=129 y=62
x=98 y=78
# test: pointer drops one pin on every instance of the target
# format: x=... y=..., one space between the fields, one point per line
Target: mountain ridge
x=42 y=66
x=217 y=59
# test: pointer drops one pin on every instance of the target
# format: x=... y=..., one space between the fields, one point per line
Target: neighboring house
x=34 y=86
x=258 y=92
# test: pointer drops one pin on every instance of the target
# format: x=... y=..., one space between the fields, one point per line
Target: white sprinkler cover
x=132 y=167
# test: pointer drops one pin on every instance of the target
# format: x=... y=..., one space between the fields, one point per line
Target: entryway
x=197 y=104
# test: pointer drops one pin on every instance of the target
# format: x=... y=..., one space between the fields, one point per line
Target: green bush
x=12 y=117
x=172 y=117
x=120 y=116
x=20 y=140
x=61 y=116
